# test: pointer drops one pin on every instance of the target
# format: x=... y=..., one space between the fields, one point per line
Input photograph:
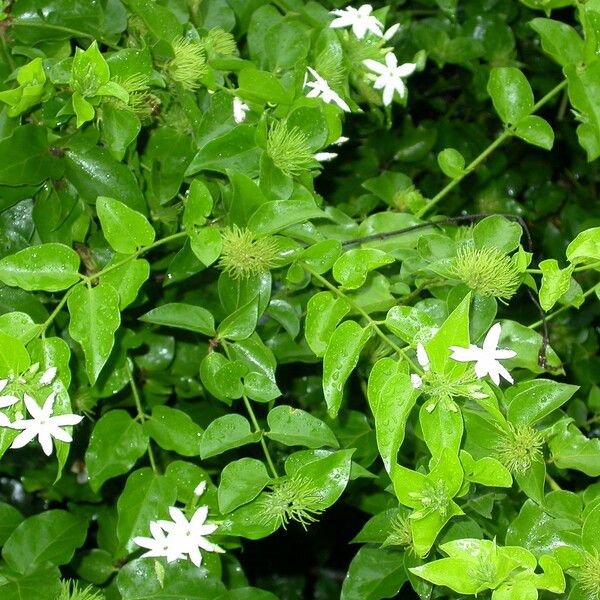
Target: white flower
x=159 y=545
x=422 y=356
x=200 y=488
x=390 y=76
x=341 y=140
x=391 y=32
x=48 y=376
x=239 y=110
x=416 y=381
x=43 y=425
x=319 y=88
x=486 y=358
x=324 y=156
x=187 y=537
x=8 y=400
x=360 y=19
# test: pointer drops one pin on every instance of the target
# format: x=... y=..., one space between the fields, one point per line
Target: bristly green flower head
x=189 y=64
x=487 y=271
x=219 y=41
x=519 y=447
x=289 y=149
x=292 y=499
x=70 y=590
x=243 y=255
x=588 y=576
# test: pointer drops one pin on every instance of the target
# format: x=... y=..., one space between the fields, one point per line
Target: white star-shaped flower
x=159 y=545
x=187 y=537
x=360 y=19
x=486 y=358
x=43 y=425
x=239 y=110
x=390 y=76
x=319 y=88
x=324 y=156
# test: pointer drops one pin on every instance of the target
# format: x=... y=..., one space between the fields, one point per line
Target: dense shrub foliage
x=298 y=299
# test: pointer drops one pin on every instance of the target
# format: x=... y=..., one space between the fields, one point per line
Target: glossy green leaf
x=555 y=282
x=340 y=358
x=352 y=267
x=535 y=130
x=127 y=280
x=173 y=429
x=48 y=267
x=95 y=317
x=241 y=481
x=511 y=94
x=451 y=162
x=240 y=324
x=323 y=313
x=559 y=40
x=48 y=538
x=225 y=433
x=125 y=229
x=296 y=427
x=116 y=443
x=182 y=316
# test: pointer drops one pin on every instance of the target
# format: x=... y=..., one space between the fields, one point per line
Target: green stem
x=372 y=323
x=140 y=411
x=254 y=421
x=552 y=483
x=479 y=159
x=562 y=309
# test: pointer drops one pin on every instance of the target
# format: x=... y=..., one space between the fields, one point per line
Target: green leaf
x=95 y=172
x=274 y=216
x=451 y=162
x=442 y=426
x=531 y=401
x=119 y=128
x=511 y=94
x=84 y=111
x=535 y=130
x=48 y=267
x=410 y=323
x=374 y=573
x=14 y=358
x=25 y=157
x=182 y=316
x=241 y=481
x=43 y=584
x=590 y=532
x=127 y=279
x=391 y=398
x=198 y=205
x=160 y=21
x=323 y=313
x=173 y=429
x=555 y=282
x=240 y=324
x=10 y=517
x=296 y=427
x=206 y=244
x=116 y=443
x=262 y=86
x=95 y=317
x=559 y=40
x=225 y=433
x=584 y=94
x=585 y=247
x=48 y=538
x=140 y=580
x=236 y=150
x=125 y=229
x=339 y=361
x=499 y=232
x=146 y=498
x=352 y=267
x=572 y=450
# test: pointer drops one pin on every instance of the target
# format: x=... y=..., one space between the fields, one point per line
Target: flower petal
x=406 y=69
x=68 y=419
x=491 y=339
x=3 y=384
x=24 y=437
x=375 y=66
x=463 y=354
x=8 y=400
x=33 y=408
x=48 y=376
x=58 y=433
x=45 y=440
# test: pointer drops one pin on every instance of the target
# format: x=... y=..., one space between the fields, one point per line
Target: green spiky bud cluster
x=244 y=255
x=519 y=447
x=289 y=149
x=487 y=271
x=189 y=65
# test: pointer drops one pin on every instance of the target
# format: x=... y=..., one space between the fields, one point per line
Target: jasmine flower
x=360 y=19
x=319 y=88
x=390 y=76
